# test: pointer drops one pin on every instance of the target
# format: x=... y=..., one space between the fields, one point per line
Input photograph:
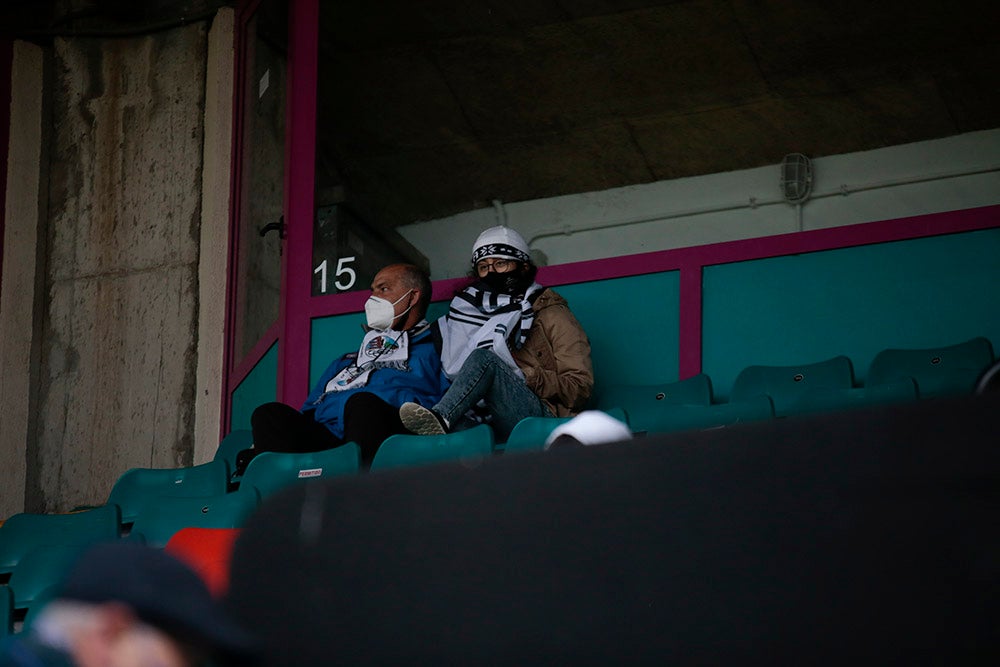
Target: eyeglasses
x=498 y=265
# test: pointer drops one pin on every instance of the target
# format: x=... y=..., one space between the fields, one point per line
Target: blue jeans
x=485 y=376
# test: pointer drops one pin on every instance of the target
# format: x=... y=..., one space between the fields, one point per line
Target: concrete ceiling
x=439 y=106
x=432 y=107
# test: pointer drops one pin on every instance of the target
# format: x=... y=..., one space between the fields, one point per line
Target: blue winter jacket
x=422 y=382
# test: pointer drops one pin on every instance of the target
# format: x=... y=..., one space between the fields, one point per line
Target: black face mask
x=513 y=282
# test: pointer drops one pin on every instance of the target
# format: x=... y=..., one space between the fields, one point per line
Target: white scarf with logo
x=478 y=318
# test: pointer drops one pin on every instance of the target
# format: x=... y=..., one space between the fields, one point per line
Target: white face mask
x=380 y=313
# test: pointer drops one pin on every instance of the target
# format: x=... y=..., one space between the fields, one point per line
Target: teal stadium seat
x=24 y=532
x=937 y=371
x=638 y=398
x=269 y=472
x=529 y=434
x=6 y=611
x=40 y=569
x=136 y=486
x=831 y=400
x=397 y=451
x=786 y=385
x=677 y=418
x=41 y=599
x=159 y=520
x=231 y=445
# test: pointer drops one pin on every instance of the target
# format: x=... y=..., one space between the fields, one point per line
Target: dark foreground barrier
x=869 y=536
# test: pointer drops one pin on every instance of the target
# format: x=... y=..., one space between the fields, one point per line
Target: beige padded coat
x=555 y=357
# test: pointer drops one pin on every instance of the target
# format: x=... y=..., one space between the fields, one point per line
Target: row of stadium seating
x=157 y=505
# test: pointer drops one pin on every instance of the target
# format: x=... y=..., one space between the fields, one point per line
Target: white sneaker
x=421 y=420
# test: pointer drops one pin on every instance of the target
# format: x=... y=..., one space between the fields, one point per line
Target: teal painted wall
x=600 y=307
x=259 y=386
x=332 y=337
x=632 y=325
x=927 y=292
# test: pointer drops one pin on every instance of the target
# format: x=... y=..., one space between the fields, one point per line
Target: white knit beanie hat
x=500 y=242
x=591 y=427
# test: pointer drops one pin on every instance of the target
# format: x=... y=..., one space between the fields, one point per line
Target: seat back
x=23 y=532
x=640 y=398
x=41 y=599
x=677 y=418
x=401 y=450
x=272 y=471
x=937 y=371
x=161 y=519
x=832 y=400
x=208 y=552
x=41 y=568
x=231 y=445
x=136 y=486
x=529 y=434
x=785 y=385
x=6 y=611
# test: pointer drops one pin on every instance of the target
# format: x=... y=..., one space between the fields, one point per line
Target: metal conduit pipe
x=843 y=190
x=501 y=212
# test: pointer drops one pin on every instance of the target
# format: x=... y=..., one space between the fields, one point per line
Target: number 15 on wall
x=345 y=275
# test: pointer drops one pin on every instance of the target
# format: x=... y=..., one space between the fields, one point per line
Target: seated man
x=358 y=397
x=508 y=342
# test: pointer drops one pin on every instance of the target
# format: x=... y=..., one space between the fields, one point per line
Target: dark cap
x=160 y=589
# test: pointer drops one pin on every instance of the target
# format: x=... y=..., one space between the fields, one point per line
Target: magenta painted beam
x=300 y=168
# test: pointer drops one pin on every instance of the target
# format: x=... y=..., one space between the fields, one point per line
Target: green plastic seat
x=529 y=434
x=6 y=611
x=786 y=385
x=231 y=445
x=834 y=400
x=397 y=451
x=41 y=599
x=41 y=568
x=23 y=532
x=136 y=486
x=269 y=472
x=159 y=520
x=937 y=371
x=643 y=403
x=677 y=418
x=639 y=398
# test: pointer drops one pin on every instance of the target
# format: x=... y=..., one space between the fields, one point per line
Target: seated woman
x=509 y=345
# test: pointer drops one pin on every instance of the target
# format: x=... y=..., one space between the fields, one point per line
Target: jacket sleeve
x=567 y=378
x=338 y=364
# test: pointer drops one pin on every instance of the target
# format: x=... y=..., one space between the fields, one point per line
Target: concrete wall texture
x=120 y=335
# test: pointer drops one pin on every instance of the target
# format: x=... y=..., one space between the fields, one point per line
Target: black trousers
x=368 y=420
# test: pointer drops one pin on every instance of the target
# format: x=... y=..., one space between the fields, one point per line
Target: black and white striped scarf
x=479 y=318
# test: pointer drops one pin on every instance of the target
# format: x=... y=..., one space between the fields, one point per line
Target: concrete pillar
x=19 y=288
x=215 y=212
x=120 y=349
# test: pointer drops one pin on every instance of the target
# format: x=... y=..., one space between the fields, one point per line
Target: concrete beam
x=19 y=285
x=215 y=213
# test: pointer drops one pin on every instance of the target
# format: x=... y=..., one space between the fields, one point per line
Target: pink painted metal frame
x=299 y=307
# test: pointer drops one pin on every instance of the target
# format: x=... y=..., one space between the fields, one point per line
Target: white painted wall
x=913 y=179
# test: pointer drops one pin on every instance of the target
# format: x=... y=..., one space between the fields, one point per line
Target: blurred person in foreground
x=128 y=605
